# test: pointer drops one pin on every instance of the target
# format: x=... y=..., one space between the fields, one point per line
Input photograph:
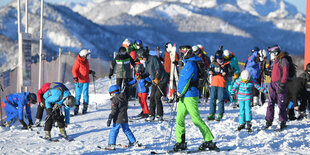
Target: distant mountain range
x=102 y=25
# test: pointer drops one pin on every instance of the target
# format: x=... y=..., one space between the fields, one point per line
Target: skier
x=55 y=98
x=305 y=100
x=187 y=97
x=253 y=66
x=156 y=70
x=219 y=71
x=121 y=66
x=14 y=105
x=278 y=86
x=245 y=83
x=296 y=92
x=119 y=116
x=45 y=87
x=80 y=72
x=143 y=84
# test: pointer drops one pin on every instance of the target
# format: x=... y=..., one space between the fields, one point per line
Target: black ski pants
x=40 y=110
x=155 y=99
x=54 y=116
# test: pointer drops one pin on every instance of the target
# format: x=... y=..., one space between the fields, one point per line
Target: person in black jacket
x=305 y=98
x=119 y=117
x=296 y=92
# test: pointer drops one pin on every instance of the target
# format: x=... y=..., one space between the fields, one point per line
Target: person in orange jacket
x=80 y=72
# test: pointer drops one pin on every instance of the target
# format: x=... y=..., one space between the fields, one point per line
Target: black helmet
x=122 y=51
x=69 y=101
x=142 y=53
x=218 y=54
x=255 y=48
x=186 y=51
x=32 y=97
x=308 y=67
x=274 y=49
x=139 y=68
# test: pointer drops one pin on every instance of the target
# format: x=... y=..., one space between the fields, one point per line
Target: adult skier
x=245 y=83
x=156 y=70
x=14 y=105
x=278 y=86
x=54 y=100
x=253 y=66
x=80 y=73
x=45 y=87
x=119 y=116
x=305 y=100
x=187 y=97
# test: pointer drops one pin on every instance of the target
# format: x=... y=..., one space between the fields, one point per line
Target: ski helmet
x=275 y=49
x=212 y=58
x=186 y=51
x=139 y=44
x=114 y=89
x=142 y=53
x=255 y=48
x=245 y=76
x=84 y=53
x=69 y=101
x=126 y=43
x=308 y=67
x=219 y=54
x=226 y=54
x=122 y=51
x=32 y=97
x=139 y=68
x=201 y=47
x=168 y=45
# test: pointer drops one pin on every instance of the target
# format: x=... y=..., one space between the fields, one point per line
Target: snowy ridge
x=90 y=130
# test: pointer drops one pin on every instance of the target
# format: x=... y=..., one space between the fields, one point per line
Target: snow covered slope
x=90 y=130
x=237 y=24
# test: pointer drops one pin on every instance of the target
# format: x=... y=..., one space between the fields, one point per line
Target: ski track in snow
x=90 y=130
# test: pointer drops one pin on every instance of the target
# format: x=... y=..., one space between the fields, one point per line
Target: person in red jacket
x=80 y=72
x=45 y=87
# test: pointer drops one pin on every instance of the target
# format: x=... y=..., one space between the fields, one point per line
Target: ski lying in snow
x=120 y=146
x=188 y=151
x=51 y=140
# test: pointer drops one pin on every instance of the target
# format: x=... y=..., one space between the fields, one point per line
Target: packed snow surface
x=90 y=130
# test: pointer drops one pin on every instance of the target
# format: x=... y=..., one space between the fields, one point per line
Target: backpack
x=59 y=86
x=292 y=67
x=201 y=75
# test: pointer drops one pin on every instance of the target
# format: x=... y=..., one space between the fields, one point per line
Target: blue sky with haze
x=300 y=4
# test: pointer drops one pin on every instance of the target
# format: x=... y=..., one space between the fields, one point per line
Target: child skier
x=120 y=117
x=245 y=84
x=143 y=84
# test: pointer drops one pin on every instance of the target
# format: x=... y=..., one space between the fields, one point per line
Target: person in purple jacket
x=278 y=86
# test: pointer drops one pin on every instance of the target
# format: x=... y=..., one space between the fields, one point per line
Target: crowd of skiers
x=182 y=76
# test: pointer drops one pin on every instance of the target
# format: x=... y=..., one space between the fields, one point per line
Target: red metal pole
x=307 y=36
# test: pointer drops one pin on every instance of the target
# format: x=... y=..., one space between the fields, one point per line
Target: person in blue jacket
x=245 y=84
x=188 y=97
x=54 y=99
x=143 y=89
x=14 y=105
x=253 y=66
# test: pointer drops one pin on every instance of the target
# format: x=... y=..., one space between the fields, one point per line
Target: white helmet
x=245 y=76
x=226 y=54
x=195 y=48
x=84 y=53
x=201 y=47
x=126 y=43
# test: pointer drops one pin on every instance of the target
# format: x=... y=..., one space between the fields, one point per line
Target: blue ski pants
x=81 y=88
x=245 y=113
x=114 y=132
x=217 y=93
x=10 y=111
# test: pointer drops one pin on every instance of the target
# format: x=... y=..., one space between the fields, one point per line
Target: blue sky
x=300 y=4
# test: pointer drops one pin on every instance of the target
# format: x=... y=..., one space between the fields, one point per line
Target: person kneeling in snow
x=13 y=106
x=187 y=97
x=119 y=116
x=245 y=84
x=54 y=99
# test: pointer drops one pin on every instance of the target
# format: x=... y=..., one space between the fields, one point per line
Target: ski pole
x=94 y=83
x=160 y=91
x=171 y=123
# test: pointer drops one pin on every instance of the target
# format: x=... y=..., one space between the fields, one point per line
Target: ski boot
x=150 y=118
x=159 y=118
x=63 y=133
x=268 y=124
x=48 y=135
x=211 y=117
x=140 y=115
x=135 y=144
x=85 y=107
x=219 y=117
x=37 y=123
x=111 y=147
x=208 y=146
x=301 y=115
x=180 y=146
x=249 y=126
x=76 y=110
x=7 y=124
x=282 y=125
x=145 y=116
x=241 y=126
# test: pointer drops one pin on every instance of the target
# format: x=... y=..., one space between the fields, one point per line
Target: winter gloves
x=109 y=120
x=155 y=81
x=281 y=88
x=75 y=79
x=92 y=73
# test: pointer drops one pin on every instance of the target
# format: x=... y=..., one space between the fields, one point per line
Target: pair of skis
x=189 y=151
x=57 y=139
x=120 y=146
